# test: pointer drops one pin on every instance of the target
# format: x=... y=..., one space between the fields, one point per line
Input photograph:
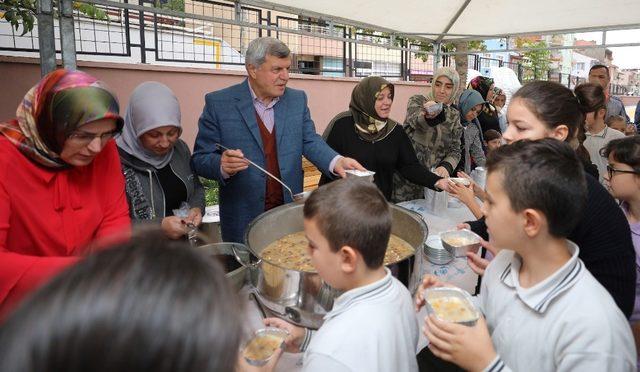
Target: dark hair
x=598 y=66
x=491 y=134
x=149 y=305
x=355 y=213
x=554 y=105
x=624 y=150
x=544 y=175
x=590 y=97
x=613 y=118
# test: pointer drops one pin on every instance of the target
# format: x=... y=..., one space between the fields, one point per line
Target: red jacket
x=47 y=217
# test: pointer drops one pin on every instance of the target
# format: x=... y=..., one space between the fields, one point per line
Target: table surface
x=456 y=272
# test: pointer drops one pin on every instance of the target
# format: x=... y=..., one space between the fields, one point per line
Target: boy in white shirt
x=544 y=311
x=372 y=326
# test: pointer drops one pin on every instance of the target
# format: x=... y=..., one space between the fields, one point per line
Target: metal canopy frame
x=438 y=38
x=173 y=13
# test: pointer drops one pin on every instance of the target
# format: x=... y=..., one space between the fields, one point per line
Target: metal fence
x=215 y=34
x=108 y=36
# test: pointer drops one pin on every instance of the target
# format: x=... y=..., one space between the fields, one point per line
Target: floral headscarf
x=59 y=104
x=482 y=85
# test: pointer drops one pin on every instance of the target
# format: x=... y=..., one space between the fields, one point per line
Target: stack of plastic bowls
x=435 y=251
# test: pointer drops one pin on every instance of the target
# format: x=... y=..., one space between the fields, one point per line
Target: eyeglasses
x=611 y=171
x=85 y=138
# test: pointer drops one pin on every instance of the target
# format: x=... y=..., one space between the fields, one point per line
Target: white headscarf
x=152 y=105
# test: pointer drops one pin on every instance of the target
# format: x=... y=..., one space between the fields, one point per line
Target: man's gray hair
x=259 y=48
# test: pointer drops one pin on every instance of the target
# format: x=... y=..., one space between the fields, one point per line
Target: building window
x=580 y=65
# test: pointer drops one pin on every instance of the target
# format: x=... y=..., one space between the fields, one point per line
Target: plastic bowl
x=460 y=181
x=459 y=242
x=451 y=305
x=367 y=175
x=264 y=343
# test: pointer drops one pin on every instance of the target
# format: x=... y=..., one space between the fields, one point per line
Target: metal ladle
x=295 y=197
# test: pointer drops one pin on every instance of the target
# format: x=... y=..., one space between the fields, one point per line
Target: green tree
x=461 y=60
x=176 y=5
x=19 y=12
x=537 y=61
x=23 y=13
x=211 y=191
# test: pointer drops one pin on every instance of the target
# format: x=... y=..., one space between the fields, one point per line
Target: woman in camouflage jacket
x=436 y=139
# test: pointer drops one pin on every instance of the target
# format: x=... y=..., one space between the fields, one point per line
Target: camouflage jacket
x=435 y=145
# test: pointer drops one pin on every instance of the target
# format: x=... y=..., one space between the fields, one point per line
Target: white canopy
x=472 y=19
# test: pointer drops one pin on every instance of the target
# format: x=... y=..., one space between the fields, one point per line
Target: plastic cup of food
x=460 y=181
x=264 y=343
x=451 y=305
x=367 y=175
x=459 y=242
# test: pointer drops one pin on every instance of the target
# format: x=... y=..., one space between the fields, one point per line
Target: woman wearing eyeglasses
x=156 y=162
x=61 y=185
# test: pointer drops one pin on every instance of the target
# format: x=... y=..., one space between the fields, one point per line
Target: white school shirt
x=595 y=142
x=568 y=322
x=371 y=328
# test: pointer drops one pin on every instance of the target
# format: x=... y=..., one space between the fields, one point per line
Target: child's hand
x=428 y=281
x=477 y=190
x=463 y=193
x=477 y=263
x=468 y=347
x=630 y=130
x=244 y=366
x=463 y=226
x=296 y=334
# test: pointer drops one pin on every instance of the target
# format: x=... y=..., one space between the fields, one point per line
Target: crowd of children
x=561 y=293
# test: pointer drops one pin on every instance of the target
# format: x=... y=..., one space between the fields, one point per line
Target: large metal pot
x=302 y=297
x=225 y=252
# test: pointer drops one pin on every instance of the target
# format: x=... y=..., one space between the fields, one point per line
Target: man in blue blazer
x=268 y=123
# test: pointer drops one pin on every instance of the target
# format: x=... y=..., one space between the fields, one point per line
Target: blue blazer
x=229 y=118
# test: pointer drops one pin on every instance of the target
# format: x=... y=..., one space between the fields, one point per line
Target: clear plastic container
x=451 y=305
x=367 y=175
x=459 y=242
x=264 y=343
